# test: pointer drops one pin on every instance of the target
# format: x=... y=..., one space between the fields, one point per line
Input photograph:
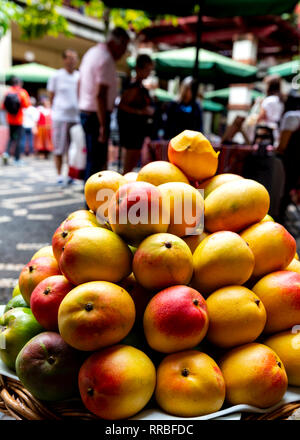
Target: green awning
x=163 y=95
x=222 y=95
x=30 y=72
x=213 y=67
x=213 y=8
x=211 y=106
x=207 y=104
x=286 y=70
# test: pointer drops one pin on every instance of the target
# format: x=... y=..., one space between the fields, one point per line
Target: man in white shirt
x=63 y=87
x=97 y=93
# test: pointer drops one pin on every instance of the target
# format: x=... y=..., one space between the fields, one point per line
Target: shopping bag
x=77 y=153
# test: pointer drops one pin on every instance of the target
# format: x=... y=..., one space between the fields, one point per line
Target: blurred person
x=97 y=93
x=289 y=148
x=15 y=101
x=63 y=87
x=133 y=112
x=30 y=118
x=43 y=140
x=262 y=165
x=185 y=114
x=272 y=105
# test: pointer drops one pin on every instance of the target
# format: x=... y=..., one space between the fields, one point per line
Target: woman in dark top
x=185 y=114
x=133 y=113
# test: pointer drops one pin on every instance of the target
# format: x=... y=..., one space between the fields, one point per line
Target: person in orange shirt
x=16 y=99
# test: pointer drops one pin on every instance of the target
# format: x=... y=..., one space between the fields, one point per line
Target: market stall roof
x=214 y=8
x=286 y=70
x=213 y=68
x=207 y=104
x=276 y=36
x=30 y=72
x=222 y=95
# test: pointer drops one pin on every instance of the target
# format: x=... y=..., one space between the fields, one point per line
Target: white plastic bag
x=77 y=152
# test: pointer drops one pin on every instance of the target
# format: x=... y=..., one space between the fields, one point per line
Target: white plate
x=231 y=413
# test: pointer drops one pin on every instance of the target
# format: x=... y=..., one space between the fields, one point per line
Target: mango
x=287 y=345
x=272 y=245
x=254 y=375
x=95 y=315
x=162 y=260
x=159 y=172
x=280 y=294
x=236 y=205
x=189 y=384
x=48 y=367
x=236 y=316
x=221 y=259
x=117 y=382
x=175 y=319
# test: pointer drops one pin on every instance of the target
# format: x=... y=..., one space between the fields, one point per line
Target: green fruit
x=16 y=291
x=48 y=367
x=17 y=326
x=133 y=249
x=16 y=301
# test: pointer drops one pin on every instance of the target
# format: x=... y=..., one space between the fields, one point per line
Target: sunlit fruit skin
x=193 y=241
x=18 y=327
x=117 y=382
x=101 y=181
x=16 y=291
x=214 y=182
x=160 y=172
x=280 y=294
x=138 y=293
x=175 y=319
x=34 y=272
x=46 y=298
x=82 y=214
x=272 y=245
x=186 y=208
x=95 y=315
x=287 y=345
x=267 y=218
x=192 y=152
x=189 y=384
x=130 y=202
x=221 y=259
x=294 y=266
x=64 y=232
x=131 y=177
x=162 y=260
x=48 y=367
x=236 y=316
x=45 y=251
x=93 y=254
x=254 y=375
x=236 y=205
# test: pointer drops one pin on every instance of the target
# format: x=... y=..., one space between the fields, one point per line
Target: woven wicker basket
x=17 y=402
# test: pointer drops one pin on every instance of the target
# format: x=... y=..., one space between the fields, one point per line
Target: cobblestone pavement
x=31 y=207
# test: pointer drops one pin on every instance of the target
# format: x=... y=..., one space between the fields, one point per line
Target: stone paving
x=31 y=207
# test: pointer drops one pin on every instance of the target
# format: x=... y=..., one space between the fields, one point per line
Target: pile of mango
x=175 y=290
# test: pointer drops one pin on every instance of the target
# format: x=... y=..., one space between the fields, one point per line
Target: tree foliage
x=41 y=17
x=8 y=11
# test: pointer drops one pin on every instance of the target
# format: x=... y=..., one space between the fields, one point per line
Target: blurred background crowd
x=113 y=98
